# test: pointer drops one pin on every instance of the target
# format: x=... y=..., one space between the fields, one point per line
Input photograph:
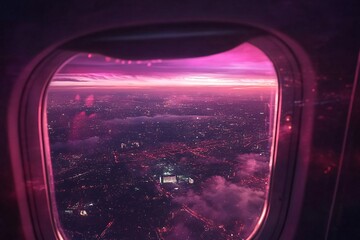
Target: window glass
x=162 y=149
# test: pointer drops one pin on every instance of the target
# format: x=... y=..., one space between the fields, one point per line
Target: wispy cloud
x=242 y=66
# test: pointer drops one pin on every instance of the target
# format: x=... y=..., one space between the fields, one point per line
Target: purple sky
x=242 y=66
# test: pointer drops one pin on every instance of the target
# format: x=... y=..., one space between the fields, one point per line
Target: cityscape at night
x=185 y=161
x=180 y=120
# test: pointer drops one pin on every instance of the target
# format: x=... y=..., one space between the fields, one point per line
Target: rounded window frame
x=286 y=152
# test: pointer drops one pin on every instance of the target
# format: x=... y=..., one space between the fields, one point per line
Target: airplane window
x=162 y=148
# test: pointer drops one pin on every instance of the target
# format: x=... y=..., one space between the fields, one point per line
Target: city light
x=162 y=149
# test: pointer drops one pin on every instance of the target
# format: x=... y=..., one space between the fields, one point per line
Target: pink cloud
x=244 y=65
x=236 y=207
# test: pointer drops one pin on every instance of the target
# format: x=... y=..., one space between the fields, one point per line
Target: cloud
x=252 y=164
x=156 y=118
x=180 y=231
x=244 y=65
x=226 y=203
x=65 y=79
x=77 y=145
x=236 y=204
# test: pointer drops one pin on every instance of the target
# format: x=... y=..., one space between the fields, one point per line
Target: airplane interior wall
x=322 y=34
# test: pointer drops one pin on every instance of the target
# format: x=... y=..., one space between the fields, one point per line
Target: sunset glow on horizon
x=244 y=66
x=163 y=149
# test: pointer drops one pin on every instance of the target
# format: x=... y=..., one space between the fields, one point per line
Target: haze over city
x=162 y=149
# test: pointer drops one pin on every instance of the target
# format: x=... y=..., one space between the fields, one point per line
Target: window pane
x=162 y=149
